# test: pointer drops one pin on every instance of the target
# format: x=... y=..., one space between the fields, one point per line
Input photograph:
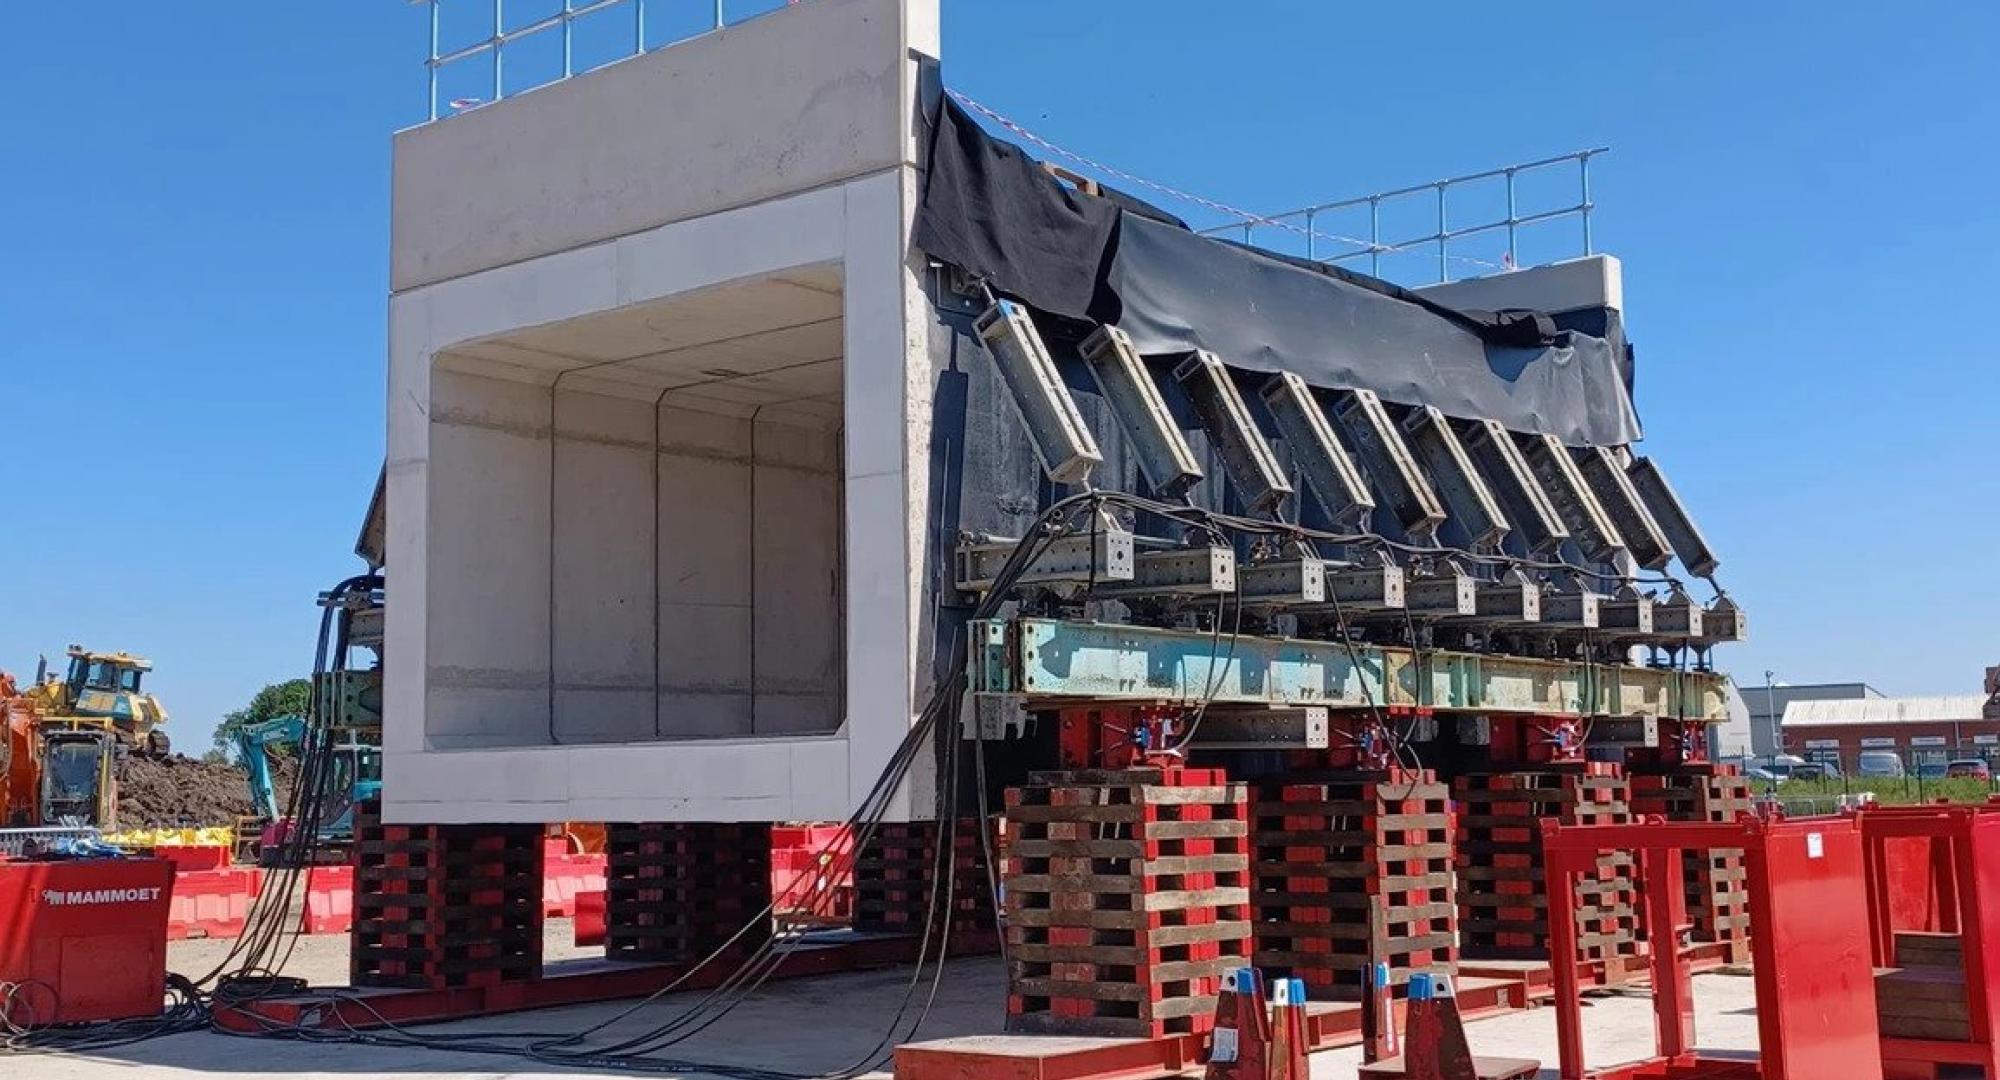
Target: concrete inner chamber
x=659 y=557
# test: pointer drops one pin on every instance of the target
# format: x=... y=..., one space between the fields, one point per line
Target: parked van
x=1885 y=763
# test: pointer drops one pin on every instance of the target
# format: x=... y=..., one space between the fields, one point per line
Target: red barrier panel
x=187 y=857
x=1918 y=879
x=330 y=900
x=212 y=903
x=85 y=939
x=590 y=918
x=565 y=877
x=802 y=857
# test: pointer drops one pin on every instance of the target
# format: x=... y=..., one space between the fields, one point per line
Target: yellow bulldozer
x=63 y=736
x=103 y=691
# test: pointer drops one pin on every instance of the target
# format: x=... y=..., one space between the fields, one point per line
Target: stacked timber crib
x=1127 y=900
x=444 y=906
x=1502 y=895
x=1718 y=901
x=1352 y=870
x=677 y=891
x=896 y=879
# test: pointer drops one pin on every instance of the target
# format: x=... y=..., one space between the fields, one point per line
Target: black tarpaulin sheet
x=990 y=210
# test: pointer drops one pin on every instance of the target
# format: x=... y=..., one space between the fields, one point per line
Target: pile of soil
x=183 y=792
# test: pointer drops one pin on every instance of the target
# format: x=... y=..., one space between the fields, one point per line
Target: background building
x=1918 y=729
x=1766 y=707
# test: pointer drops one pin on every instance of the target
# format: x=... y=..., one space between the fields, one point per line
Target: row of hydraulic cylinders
x=1470 y=482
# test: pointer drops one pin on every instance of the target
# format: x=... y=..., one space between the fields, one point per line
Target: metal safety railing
x=564 y=23
x=16 y=841
x=1309 y=221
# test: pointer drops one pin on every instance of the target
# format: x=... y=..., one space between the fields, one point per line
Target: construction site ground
x=808 y=1025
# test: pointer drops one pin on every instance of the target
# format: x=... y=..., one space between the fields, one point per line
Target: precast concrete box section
x=660 y=394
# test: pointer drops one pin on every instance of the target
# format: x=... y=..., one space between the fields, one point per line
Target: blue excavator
x=354 y=774
x=338 y=746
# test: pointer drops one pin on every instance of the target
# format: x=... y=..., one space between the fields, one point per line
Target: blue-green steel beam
x=1068 y=660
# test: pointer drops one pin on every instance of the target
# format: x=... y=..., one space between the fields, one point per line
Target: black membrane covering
x=992 y=211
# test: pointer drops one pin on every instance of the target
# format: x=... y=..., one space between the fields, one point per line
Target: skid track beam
x=1046 y=661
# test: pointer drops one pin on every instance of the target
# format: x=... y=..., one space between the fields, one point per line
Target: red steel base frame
x=1937 y=868
x=1329 y=1026
x=1685 y=1067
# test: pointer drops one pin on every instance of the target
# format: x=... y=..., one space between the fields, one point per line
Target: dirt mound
x=176 y=791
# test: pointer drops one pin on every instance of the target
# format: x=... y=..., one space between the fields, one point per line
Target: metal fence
x=567 y=37
x=1823 y=780
x=1352 y=230
x=16 y=842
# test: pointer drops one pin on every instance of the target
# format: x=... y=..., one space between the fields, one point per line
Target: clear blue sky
x=194 y=272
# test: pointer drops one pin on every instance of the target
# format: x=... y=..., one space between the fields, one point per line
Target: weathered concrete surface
x=679 y=132
x=807 y=1026
x=1587 y=282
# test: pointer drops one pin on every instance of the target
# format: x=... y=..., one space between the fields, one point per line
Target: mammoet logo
x=76 y=897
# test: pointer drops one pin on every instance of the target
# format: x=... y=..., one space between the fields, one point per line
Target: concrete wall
x=747 y=638
x=1589 y=282
x=521 y=657
x=750 y=597
x=785 y=103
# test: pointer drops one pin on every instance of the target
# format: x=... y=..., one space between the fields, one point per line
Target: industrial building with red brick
x=845 y=585
x=1919 y=731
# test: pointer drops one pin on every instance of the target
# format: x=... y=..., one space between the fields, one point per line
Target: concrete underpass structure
x=658 y=410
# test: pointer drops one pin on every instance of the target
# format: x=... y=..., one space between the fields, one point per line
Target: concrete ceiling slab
x=747 y=344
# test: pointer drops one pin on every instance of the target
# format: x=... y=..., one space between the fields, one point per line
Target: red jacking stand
x=1240 y=1045
x=1934 y=911
x=1437 y=1048
x=1289 y=1038
x=1378 y=1017
x=1809 y=936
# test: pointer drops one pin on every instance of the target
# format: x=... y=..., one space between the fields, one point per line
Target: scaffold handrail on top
x=1306 y=219
x=563 y=22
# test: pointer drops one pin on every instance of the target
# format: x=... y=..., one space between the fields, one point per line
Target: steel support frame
x=1797 y=973
x=1967 y=873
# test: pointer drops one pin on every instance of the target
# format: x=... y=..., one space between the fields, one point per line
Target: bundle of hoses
x=598 y=1046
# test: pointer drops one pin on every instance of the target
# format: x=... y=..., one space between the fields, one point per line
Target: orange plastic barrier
x=590 y=918
x=212 y=903
x=565 y=877
x=187 y=857
x=329 y=900
x=802 y=858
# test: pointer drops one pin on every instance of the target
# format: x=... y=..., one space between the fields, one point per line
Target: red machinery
x=1816 y=1014
x=85 y=939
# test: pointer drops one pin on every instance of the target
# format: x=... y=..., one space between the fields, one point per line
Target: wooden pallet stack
x=1923 y=996
x=893 y=876
x=1351 y=870
x=677 y=891
x=1718 y=900
x=1127 y=900
x=1502 y=894
x=443 y=906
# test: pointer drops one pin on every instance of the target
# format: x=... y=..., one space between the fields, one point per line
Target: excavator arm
x=253 y=743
